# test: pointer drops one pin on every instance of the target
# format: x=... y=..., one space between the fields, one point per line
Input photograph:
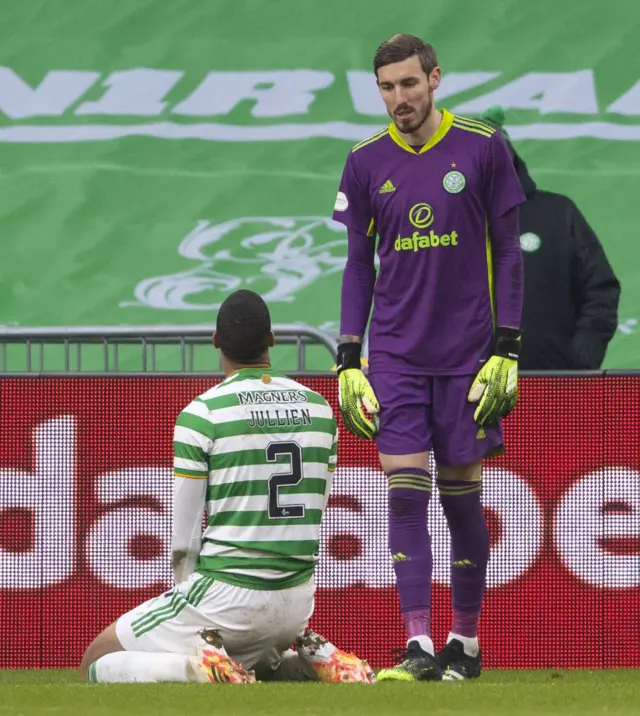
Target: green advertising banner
x=157 y=155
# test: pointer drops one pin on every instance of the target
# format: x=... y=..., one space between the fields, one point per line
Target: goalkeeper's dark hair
x=243 y=328
x=401 y=47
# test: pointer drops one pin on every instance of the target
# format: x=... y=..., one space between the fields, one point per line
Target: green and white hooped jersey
x=268 y=448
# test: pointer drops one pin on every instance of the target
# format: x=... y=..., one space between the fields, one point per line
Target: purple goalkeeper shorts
x=418 y=413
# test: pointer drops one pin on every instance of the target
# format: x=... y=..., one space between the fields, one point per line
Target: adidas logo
x=399 y=557
x=481 y=435
x=463 y=563
x=387 y=187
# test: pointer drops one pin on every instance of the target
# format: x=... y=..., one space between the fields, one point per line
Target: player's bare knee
x=470 y=472
x=105 y=643
x=393 y=463
x=93 y=652
x=89 y=656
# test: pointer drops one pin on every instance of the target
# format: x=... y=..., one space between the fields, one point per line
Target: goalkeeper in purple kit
x=441 y=194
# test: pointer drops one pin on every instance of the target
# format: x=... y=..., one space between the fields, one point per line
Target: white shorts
x=254 y=625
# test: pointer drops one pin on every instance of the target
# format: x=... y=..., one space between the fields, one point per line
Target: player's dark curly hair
x=402 y=47
x=243 y=327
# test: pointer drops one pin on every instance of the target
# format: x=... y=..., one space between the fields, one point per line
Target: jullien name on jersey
x=284 y=418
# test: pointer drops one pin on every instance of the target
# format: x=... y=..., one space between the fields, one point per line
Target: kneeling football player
x=245 y=587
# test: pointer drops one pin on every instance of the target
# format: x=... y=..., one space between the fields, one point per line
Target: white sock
x=426 y=643
x=470 y=643
x=140 y=666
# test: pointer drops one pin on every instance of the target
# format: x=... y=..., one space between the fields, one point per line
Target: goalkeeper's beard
x=411 y=125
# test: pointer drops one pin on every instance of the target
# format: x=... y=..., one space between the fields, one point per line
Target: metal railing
x=154 y=346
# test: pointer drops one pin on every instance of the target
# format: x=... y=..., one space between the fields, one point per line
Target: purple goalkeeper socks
x=410 y=546
x=465 y=623
x=417 y=622
x=461 y=502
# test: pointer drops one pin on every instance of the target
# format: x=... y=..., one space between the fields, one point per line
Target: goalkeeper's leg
x=460 y=491
x=403 y=442
x=459 y=445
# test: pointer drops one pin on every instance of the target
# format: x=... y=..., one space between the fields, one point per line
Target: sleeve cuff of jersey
x=191 y=474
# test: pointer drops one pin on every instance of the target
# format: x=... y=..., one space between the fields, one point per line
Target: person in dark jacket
x=571 y=294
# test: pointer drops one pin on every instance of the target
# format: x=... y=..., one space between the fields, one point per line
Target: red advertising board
x=85 y=492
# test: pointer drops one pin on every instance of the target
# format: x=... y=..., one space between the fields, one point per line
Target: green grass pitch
x=496 y=693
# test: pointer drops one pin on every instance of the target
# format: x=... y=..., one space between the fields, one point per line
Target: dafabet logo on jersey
x=421 y=216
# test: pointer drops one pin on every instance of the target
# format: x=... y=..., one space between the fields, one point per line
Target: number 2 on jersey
x=284 y=479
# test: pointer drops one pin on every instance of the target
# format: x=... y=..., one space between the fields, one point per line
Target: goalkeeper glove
x=495 y=388
x=355 y=392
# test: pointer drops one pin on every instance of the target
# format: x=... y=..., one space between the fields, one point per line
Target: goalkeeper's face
x=408 y=93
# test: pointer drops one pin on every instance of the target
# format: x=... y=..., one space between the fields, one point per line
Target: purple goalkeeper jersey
x=433 y=209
